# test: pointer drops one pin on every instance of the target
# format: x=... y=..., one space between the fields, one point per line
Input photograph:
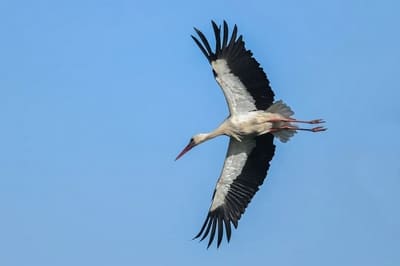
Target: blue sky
x=98 y=97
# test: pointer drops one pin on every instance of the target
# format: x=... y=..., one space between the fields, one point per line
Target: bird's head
x=194 y=141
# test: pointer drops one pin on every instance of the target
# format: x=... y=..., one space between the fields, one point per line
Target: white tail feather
x=279 y=107
x=284 y=135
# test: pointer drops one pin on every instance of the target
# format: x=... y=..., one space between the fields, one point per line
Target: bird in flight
x=254 y=121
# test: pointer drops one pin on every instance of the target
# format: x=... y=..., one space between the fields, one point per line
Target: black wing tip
x=203 y=45
x=224 y=23
x=216 y=223
x=203 y=50
x=197 y=30
x=225 y=28
x=220 y=45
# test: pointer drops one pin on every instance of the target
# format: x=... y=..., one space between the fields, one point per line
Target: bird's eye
x=191 y=140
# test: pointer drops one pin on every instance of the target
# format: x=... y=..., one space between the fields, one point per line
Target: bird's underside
x=277 y=119
x=253 y=122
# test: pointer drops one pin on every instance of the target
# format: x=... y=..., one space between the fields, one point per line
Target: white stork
x=254 y=120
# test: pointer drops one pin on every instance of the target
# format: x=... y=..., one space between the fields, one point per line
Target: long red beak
x=185 y=150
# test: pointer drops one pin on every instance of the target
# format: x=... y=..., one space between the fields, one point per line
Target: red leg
x=315 y=129
x=314 y=121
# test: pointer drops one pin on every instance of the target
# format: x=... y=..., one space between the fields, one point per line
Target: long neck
x=217 y=132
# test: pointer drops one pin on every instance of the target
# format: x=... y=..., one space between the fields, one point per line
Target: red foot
x=318 y=129
x=317 y=121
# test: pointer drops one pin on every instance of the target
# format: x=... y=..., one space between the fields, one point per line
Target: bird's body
x=252 y=124
x=254 y=120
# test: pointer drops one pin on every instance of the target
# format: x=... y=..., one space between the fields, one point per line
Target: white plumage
x=253 y=123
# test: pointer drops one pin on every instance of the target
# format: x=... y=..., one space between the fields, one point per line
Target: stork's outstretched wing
x=244 y=170
x=244 y=83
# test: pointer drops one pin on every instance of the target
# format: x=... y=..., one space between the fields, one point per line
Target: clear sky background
x=98 y=97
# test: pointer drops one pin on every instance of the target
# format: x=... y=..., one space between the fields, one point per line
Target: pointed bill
x=185 y=150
